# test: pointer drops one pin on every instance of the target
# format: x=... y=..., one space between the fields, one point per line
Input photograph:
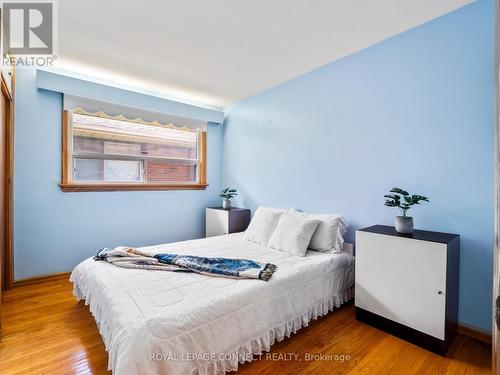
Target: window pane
x=107 y=170
x=118 y=148
x=109 y=150
x=122 y=170
x=102 y=135
x=88 y=169
x=169 y=151
x=170 y=172
x=87 y=144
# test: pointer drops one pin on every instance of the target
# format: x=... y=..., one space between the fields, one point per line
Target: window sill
x=68 y=188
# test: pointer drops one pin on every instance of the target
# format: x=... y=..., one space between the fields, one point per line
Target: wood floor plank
x=45 y=332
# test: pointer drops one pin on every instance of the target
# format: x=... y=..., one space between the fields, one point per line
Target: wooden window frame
x=67 y=185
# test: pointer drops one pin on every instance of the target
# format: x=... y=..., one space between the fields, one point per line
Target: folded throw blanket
x=130 y=257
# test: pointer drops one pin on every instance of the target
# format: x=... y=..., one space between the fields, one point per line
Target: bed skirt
x=241 y=354
x=264 y=342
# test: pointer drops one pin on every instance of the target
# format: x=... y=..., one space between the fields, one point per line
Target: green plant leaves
x=393 y=196
x=417 y=198
x=399 y=191
x=394 y=200
x=228 y=193
x=391 y=203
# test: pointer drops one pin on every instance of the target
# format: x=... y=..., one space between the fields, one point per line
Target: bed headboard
x=348 y=248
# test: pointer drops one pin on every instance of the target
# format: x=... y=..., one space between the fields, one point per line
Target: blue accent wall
x=53 y=231
x=415 y=111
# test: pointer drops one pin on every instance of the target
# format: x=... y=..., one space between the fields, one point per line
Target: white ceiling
x=217 y=52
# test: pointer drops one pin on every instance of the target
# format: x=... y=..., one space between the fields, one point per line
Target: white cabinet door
x=403 y=280
x=217 y=222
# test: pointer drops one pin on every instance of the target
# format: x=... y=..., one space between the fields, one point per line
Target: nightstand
x=220 y=221
x=407 y=285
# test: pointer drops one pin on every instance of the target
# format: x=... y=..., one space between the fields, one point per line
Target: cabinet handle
x=440 y=292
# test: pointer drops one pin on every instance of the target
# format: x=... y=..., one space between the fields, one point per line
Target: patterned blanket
x=130 y=257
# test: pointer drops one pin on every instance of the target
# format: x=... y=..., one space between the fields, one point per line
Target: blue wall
x=415 y=111
x=53 y=231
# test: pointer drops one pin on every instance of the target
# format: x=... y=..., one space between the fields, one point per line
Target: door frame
x=496 y=239
x=9 y=173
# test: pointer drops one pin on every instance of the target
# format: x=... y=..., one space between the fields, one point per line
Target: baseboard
x=41 y=279
x=474 y=333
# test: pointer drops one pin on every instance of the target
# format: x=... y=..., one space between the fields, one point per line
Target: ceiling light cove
x=129 y=82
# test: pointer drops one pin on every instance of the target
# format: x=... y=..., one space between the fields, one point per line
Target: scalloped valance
x=138 y=120
x=97 y=108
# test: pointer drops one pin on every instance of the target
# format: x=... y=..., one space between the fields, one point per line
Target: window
x=101 y=152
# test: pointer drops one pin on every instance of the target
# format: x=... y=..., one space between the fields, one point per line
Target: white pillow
x=293 y=233
x=329 y=235
x=262 y=225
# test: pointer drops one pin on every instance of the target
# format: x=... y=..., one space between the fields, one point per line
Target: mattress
x=160 y=322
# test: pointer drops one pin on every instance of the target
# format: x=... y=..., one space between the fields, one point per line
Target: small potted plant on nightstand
x=403 y=200
x=227 y=194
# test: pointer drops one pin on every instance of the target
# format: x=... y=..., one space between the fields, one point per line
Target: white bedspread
x=160 y=322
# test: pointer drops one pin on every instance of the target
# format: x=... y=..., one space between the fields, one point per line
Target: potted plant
x=404 y=201
x=227 y=194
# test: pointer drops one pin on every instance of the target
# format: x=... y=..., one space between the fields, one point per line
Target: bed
x=160 y=322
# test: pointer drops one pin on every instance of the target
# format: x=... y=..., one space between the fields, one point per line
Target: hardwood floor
x=46 y=332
